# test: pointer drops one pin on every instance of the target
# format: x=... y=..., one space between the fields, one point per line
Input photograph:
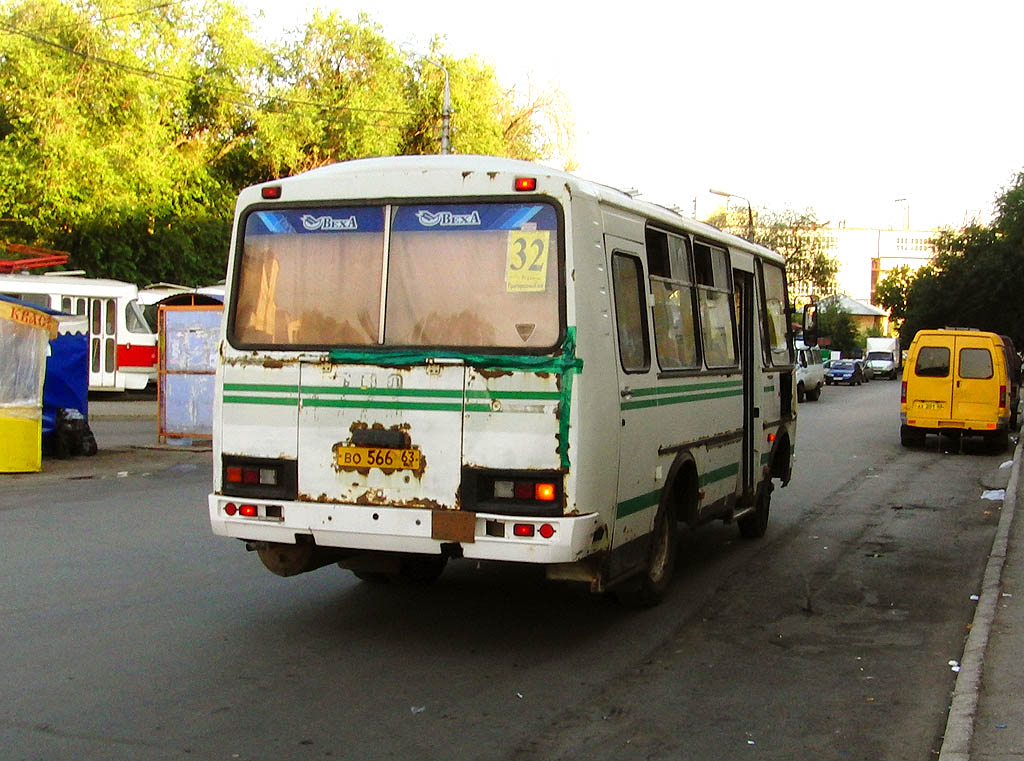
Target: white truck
x=883 y=357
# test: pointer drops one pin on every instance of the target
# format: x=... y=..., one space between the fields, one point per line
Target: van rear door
x=930 y=383
x=975 y=383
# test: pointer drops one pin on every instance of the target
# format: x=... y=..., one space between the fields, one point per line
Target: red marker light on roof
x=271 y=191
x=526 y=183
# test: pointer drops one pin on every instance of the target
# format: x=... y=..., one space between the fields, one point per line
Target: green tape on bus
x=566 y=365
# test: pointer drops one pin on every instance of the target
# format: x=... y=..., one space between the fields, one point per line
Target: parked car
x=865 y=369
x=810 y=374
x=844 y=371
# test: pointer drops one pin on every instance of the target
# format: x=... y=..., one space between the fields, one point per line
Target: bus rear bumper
x=485 y=536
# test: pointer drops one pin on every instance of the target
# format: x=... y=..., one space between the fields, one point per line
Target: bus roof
x=454 y=173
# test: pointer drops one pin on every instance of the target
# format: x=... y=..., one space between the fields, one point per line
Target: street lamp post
x=750 y=211
x=446 y=109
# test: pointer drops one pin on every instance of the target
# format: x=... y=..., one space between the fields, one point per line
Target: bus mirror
x=810 y=325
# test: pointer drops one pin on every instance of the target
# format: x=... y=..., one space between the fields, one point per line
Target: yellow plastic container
x=21 y=437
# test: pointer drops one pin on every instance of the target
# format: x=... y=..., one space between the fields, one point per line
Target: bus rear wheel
x=754 y=525
x=648 y=588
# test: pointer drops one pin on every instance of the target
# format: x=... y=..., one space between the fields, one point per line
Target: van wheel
x=911 y=437
x=800 y=393
x=813 y=396
x=648 y=588
x=999 y=441
x=754 y=525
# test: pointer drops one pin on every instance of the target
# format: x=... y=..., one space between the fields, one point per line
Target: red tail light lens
x=544 y=492
x=526 y=184
x=523 y=529
x=1002 y=397
x=249 y=511
x=903 y=393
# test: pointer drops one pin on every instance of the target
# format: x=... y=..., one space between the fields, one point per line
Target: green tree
x=838 y=326
x=125 y=135
x=795 y=235
x=893 y=291
x=976 y=277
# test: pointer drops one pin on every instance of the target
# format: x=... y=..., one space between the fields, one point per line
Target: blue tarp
x=67 y=366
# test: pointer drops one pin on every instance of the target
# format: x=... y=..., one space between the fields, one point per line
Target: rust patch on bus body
x=492 y=374
x=406 y=443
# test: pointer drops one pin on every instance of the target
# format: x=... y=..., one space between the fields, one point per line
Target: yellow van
x=955 y=380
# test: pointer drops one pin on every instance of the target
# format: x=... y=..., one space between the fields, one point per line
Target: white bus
x=440 y=357
x=122 y=346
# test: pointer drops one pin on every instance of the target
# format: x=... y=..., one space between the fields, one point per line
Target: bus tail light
x=1002 y=397
x=270 y=192
x=527 y=530
x=259 y=477
x=525 y=184
x=903 y=393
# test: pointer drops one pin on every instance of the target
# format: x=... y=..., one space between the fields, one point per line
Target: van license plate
x=930 y=405
x=378 y=457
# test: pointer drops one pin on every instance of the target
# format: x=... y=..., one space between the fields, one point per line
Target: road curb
x=957 y=739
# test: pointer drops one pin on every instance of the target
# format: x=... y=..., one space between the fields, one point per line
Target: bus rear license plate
x=378 y=457
x=930 y=405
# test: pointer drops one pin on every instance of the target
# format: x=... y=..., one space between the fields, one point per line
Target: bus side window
x=675 y=337
x=717 y=307
x=774 y=315
x=630 y=315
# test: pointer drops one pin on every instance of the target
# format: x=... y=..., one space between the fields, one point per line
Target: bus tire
x=422 y=569
x=754 y=525
x=648 y=588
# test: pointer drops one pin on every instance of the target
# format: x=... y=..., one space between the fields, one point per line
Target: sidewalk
x=128 y=440
x=986 y=716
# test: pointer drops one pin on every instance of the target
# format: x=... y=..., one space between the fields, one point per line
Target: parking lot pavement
x=127 y=437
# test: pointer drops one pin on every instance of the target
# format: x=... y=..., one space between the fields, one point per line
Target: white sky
x=841 y=107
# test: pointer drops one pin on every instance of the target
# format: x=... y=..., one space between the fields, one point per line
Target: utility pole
x=446 y=109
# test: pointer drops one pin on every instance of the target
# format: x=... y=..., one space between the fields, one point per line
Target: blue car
x=844 y=371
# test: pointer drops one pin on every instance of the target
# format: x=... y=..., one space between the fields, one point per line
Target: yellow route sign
x=526 y=268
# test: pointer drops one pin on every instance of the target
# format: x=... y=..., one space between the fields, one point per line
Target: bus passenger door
x=744 y=285
x=638 y=488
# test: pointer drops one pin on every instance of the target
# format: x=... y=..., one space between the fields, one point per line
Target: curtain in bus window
x=299 y=287
x=675 y=337
x=775 y=316
x=716 y=313
x=630 y=320
x=473 y=275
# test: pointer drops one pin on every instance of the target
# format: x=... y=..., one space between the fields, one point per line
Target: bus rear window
x=483 y=275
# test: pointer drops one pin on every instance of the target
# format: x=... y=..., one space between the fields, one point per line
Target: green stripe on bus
x=636 y=504
x=447 y=393
x=719 y=474
x=382 y=405
x=289 y=401
x=538 y=395
x=260 y=387
x=662 y=390
x=665 y=401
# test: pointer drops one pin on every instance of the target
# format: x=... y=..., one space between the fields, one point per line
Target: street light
x=446 y=109
x=750 y=211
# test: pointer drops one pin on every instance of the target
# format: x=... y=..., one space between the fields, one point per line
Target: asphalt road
x=128 y=631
